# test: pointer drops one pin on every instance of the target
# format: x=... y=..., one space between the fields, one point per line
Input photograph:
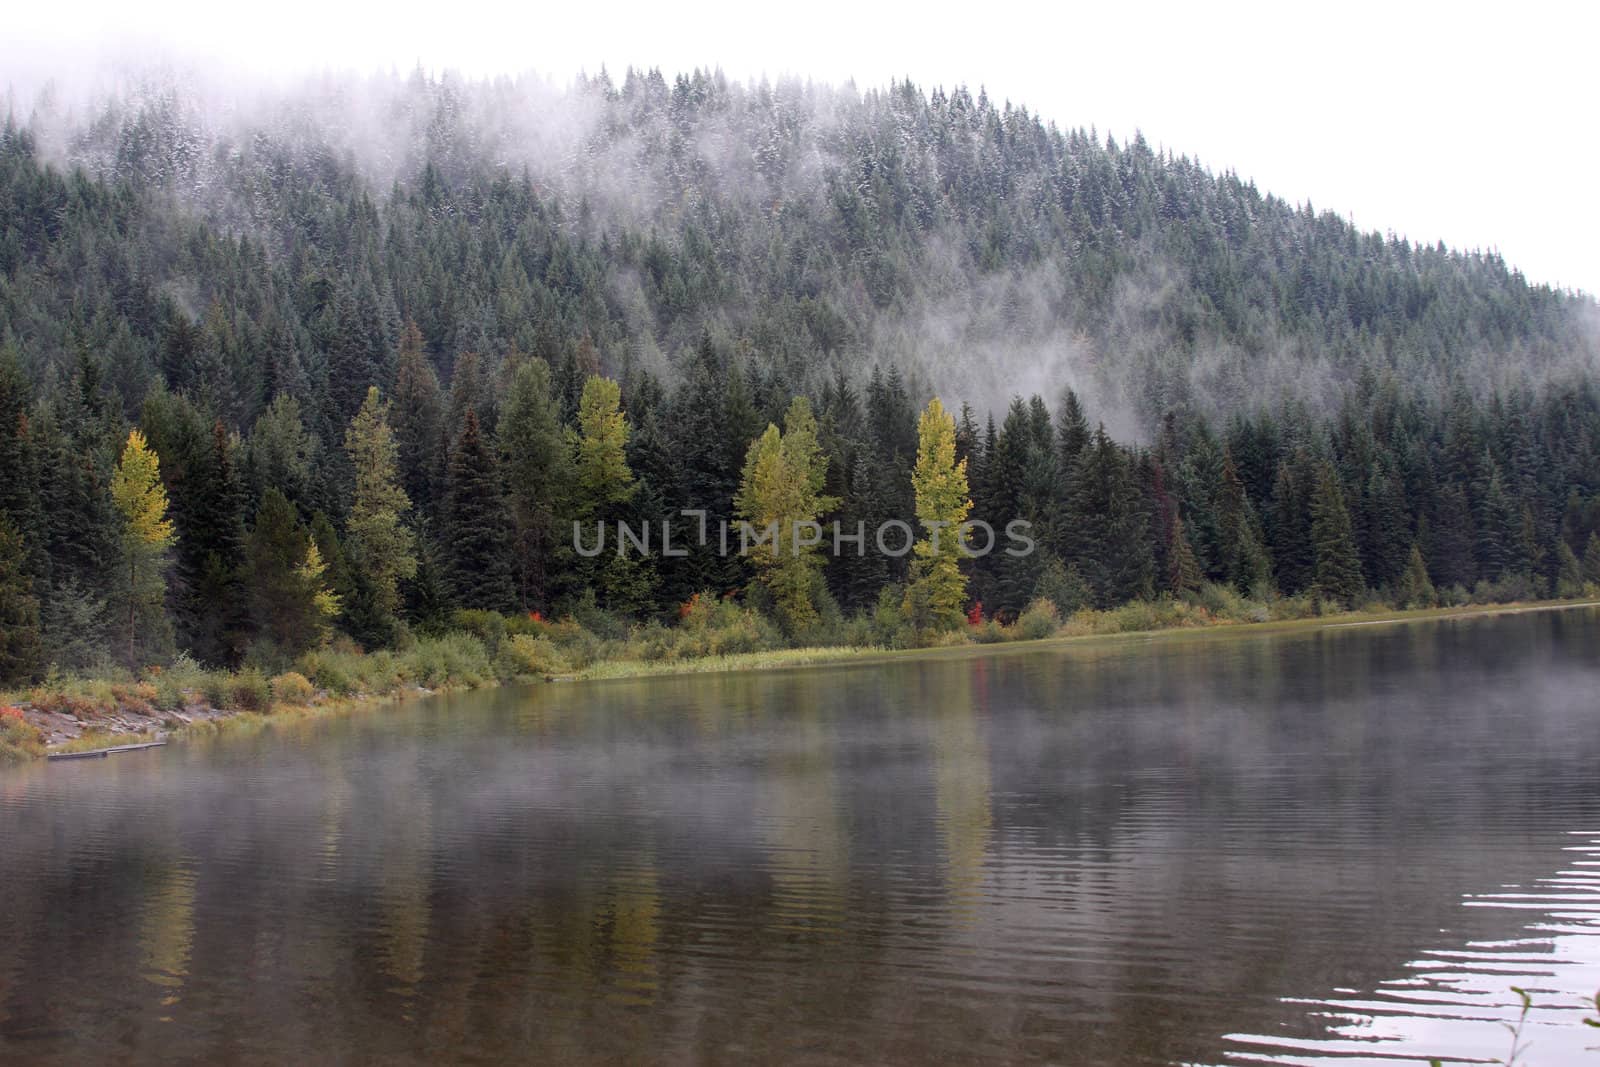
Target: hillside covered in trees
x=354 y=358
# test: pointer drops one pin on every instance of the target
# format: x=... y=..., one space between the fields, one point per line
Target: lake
x=1213 y=848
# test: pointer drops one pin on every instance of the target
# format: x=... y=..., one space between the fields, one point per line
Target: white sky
x=1457 y=121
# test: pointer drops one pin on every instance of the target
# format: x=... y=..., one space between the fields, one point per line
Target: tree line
x=132 y=542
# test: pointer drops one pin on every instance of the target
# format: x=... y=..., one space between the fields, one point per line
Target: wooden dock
x=102 y=753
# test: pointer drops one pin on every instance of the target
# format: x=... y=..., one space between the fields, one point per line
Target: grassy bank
x=81 y=713
x=184 y=700
x=1082 y=628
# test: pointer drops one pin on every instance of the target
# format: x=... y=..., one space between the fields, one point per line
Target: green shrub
x=169 y=695
x=20 y=740
x=1508 y=588
x=1293 y=607
x=217 y=688
x=989 y=633
x=328 y=670
x=250 y=691
x=1225 y=602
x=533 y=657
x=1038 y=619
x=1064 y=586
x=292 y=687
x=379 y=672
x=487 y=626
x=455 y=659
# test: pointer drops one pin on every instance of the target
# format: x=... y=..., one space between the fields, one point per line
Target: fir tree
x=1591 y=560
x=417 y=415
x=380 y=547
x=21 y=647
x=290 y=601
x=1337 y=570
x=1183 y=572
x=538 y=471
x=1569 y=572
x=1414 y=589
x=477 y=529
x=603 y=486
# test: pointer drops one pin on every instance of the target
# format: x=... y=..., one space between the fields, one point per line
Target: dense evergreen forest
x=355 y=358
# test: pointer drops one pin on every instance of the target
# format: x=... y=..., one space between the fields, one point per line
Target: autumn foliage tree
x=938 y=589
x=780 y=496
x=141 y=500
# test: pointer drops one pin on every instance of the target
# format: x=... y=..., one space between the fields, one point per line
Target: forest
x=348 y=365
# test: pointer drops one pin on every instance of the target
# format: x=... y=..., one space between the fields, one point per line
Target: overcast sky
x=1470 y=124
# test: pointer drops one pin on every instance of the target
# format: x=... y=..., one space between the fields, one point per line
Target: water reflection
x=1122 y=852
x=1457 y=1003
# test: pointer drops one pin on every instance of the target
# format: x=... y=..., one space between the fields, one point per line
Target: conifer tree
x=417 y=415
x=290 y=600
x=282 y=454
x=381 y=548
x=1452 y=555
x=1243 y=557
x=1569 y=572
x=600 y=447
x=1591 y=560
x=477 y=530
x=1414 y=589
x=1337 y=573
x=539 y=482
x=603 y=487
x=21 y=647
x=938 y=588
x=1183 y=572
x=1293 y=555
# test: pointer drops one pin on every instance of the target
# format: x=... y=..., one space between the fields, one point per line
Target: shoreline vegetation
x=183 y=701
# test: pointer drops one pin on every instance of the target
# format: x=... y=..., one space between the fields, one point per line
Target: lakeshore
x=72 y=716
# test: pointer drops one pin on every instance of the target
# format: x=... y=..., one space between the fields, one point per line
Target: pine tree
x=337 y=577
x=938 y=588
x=282 y=454
x=1413 y=589
x=1453 y=553
x=417 y=414
x=539 y=480
x=477 y=527
x=600 y=447
x=603 y=487
x=1569 y=572
x=1242 y=555
x=1337 y=573
x=1072 y=430
x=380 y=547
x=1183 y=572
x=290 y=599
x=146 y=535
x=1293 y=554
x=21 y=648
x=1591 y=560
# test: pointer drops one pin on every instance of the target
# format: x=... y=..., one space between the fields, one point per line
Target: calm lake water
x=1212 y=849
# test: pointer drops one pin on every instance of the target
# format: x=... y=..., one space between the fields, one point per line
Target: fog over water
x=1206 y=848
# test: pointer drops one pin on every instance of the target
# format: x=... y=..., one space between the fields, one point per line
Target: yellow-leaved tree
x=780 y=496
x=937 y=595
x=141 y=500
